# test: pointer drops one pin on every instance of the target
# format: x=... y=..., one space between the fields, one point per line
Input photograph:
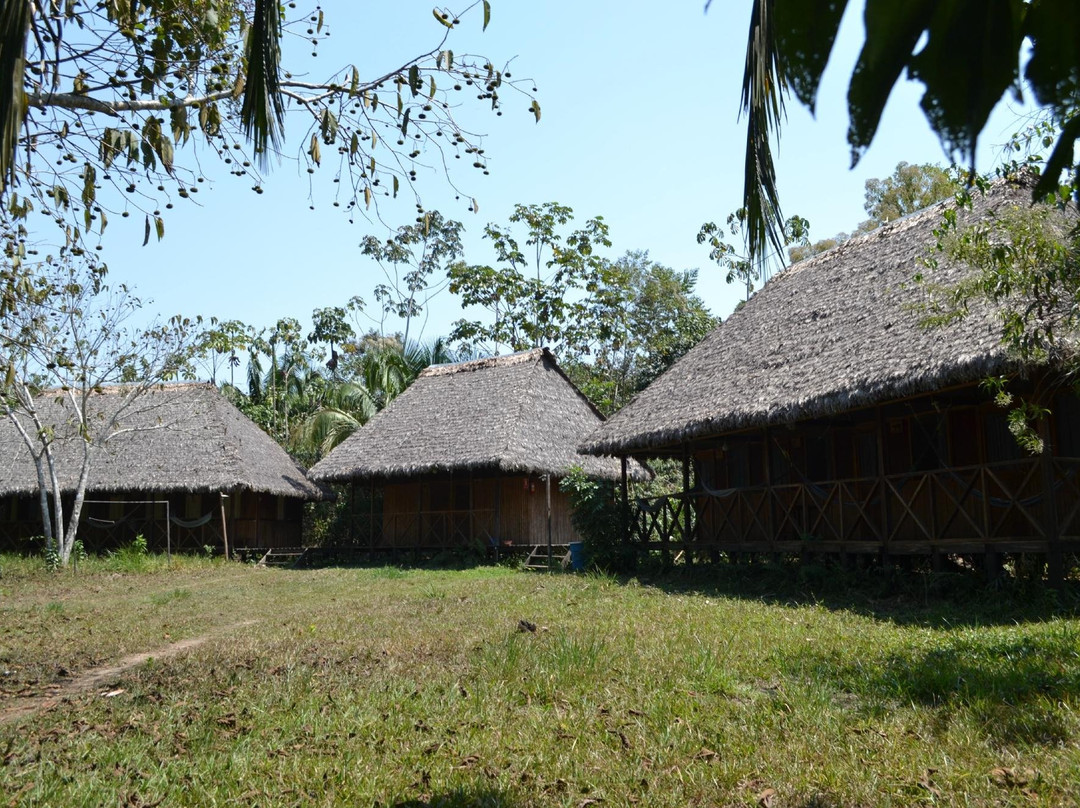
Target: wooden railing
x=1001 y=504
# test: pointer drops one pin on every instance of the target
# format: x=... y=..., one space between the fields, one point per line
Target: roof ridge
x=516 y=358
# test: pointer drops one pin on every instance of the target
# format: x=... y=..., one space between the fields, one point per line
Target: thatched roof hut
x=177 y=437
x=516 y=414
x=835 y=332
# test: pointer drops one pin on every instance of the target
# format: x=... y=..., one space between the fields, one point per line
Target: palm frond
x=763 y=91
x=263 y=113
x=14 y=27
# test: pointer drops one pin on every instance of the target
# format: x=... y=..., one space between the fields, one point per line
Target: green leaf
x=405 y=122
x=969 y=62
x=487 y=14
x=395 y=186
x=88 y=192
x=318 y=27
x=159 y=226
x=414 y=79
x=535 y=107
x=805 y=34
x=146 y=232
x=442 y=17
x=892 y=31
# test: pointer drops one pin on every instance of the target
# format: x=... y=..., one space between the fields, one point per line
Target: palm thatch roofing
x=837 y=331
x=175 y=437
x=516 y=414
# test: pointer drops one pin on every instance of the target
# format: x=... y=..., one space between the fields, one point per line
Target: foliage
x=112 y=107
x=655 y=317
x=738 y=261
x=910 y=188
x=966 y=54
x=69 y=331
x=539 y=290
x=1025 y=263
x=410 y=262
x=597 y=517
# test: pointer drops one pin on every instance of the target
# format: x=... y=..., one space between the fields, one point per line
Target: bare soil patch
x=101 y=677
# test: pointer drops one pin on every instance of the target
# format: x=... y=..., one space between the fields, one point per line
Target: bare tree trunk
x=72 y=531
x=39 y=458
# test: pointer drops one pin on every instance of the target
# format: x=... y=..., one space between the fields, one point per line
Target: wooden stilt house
x=187 y=470
x=471 y=455
x=822 y=417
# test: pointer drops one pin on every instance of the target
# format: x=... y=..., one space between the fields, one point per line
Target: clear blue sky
x=639 y=125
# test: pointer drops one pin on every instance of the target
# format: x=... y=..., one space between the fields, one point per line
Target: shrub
x=596 y=516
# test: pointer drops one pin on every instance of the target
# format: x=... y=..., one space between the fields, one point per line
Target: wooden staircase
x=538 y=557
x=281 y=557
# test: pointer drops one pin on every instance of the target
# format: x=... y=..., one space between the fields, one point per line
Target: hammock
x=107 y=523
x=192 y=523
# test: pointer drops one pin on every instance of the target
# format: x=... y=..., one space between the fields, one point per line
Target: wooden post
x=224 y=527
x=686 y=527
x=350 y=536
x=258 y=508
x=371 y=514
x=472 y=512
x=883 y=529
x=625 y=486
x=770 y=515
x=498 y=514
x=547 y=491
x=1055 y=568
x=420 y=515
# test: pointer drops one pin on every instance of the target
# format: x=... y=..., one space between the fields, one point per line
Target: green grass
x=403 y=687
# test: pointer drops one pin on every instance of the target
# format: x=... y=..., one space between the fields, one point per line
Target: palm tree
x=346 y=406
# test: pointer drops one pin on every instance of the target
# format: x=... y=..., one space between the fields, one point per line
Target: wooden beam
x=625 y=501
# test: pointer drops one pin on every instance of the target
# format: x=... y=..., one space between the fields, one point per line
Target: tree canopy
x=967 y=54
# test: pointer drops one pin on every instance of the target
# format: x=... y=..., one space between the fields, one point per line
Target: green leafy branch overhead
x=109 y=108
x=967 y=54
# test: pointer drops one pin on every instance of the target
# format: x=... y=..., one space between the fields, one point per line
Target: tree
x=654 y=317
x=100 y=99
x=383 y=370
x=67 y=337
x=738 y=261
x=222 y=343
x=1025 y=262
x=414 y=261
x=331 y=325
x=910 y=188
x=535 y=292
x=966 y=53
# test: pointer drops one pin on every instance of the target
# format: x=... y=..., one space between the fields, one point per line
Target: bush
x=597 y=517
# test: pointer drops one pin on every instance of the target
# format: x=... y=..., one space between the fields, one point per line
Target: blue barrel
x=577 y=555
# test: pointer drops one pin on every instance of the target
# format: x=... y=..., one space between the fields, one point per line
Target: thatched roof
x=516 y=414
x=837 y=331
x=183 y=437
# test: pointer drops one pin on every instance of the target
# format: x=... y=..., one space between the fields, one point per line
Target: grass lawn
x=402 y=688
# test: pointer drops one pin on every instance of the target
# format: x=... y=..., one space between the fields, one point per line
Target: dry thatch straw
x=837 y=331
x=516 y=414
x=176 y=437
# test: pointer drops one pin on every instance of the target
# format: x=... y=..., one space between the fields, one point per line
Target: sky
x=639 y=125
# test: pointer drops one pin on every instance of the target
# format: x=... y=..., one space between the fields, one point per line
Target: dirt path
x=95 y=678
